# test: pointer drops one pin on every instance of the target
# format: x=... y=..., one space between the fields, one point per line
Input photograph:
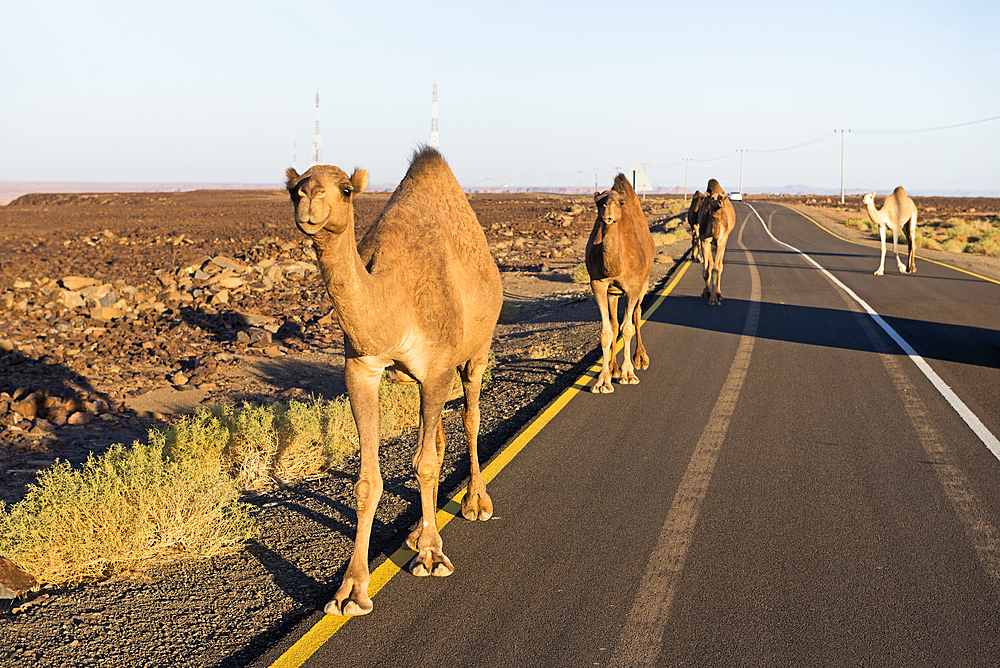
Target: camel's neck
x=348 y=282
x=611 y=249
x=874 y=213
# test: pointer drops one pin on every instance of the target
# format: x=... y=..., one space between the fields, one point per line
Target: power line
x=910 y=132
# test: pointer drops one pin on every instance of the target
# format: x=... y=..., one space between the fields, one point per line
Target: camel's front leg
x=476 y=504
x=362 y=379
x=430 y=559
x=613 y=315
x=628 y=331
x=641 y=359
x=603 y=384
x=716 y=298
x=881 y=264
x=706 y=264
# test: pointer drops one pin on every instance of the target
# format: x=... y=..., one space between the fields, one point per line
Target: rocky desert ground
x=120 y=311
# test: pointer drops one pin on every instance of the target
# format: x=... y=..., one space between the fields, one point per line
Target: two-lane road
x=784 y=487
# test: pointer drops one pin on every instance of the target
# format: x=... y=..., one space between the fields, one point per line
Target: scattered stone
x=14 y=582
x=106 y=313
x=75 y=283
x=80 y=418
x=179 y=378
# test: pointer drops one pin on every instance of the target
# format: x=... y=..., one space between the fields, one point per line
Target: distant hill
x=11 y=190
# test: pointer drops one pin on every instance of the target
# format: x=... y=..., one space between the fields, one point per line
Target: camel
x=692 y=219
x=619 y=260
x=420 y=296
x=897 y=211
x=717 y=218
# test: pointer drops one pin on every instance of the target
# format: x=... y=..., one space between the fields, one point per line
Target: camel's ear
x=597 y=196
x=359 y=179
x=291 y=176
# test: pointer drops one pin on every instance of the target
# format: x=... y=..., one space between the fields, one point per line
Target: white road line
x=970 y=418
x=642 y=636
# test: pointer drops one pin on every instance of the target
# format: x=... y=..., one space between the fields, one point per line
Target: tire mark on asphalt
x=642 y=635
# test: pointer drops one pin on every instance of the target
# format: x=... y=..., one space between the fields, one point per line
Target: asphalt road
x=785 y=487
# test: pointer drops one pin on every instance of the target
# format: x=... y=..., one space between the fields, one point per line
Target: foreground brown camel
x=420 y=294
x=693 y=224
x=897 y=211
x=717 y=220
x=619 y=260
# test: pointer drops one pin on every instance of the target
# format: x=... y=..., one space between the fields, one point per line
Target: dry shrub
x=120 y=512
x=580 y=274
x=679 y=233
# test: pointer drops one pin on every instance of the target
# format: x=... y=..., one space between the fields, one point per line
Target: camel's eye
x=347 y=192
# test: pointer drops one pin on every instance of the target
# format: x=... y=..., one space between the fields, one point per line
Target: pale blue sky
x=218 y=91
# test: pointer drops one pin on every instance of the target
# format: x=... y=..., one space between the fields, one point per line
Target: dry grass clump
x=580 y=274
x=178 y=495
x=121 y=511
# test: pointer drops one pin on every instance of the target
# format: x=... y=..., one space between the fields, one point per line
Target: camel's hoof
x=349 y=608
x=477 y=507
x=641 y=362
x=878 y=273
x=604 y=387
x=630 y=381
x=431 y=562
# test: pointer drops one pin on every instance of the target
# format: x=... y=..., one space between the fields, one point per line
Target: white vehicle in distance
x=736 y=197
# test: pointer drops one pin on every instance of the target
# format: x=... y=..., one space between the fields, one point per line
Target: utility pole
x=686 y=161
x=317 y=152
x=841 y=163
x=435 y=141
x=741 y=151
x=581 y=178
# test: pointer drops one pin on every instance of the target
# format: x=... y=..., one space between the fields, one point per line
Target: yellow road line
x=925 y=259
x=328 y=625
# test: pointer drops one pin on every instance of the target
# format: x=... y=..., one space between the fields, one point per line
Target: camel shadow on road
x=835 y=328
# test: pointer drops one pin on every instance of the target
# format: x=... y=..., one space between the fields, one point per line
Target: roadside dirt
x=166 y=353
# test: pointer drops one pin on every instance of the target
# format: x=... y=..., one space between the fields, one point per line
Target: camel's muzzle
x=310 y=228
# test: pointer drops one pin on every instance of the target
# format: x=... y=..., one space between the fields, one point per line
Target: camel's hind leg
x=640 y=360
x=430 y=559
x=911 y=238
x=603 y=384
x=895 y=248
x=476 y=504
x=362 y=385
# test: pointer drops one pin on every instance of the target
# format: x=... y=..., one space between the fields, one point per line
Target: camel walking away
x=693 y=224
x=620 y=254
x=717 y=220
x=420 y=294
x=897 y=211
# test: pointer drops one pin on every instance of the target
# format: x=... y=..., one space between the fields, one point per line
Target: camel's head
x=609 y=206
x=869 y=198
x=324 y=197
x=715 y=202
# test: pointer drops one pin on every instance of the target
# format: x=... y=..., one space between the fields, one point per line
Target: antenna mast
x=317 y=155
x=435 y=143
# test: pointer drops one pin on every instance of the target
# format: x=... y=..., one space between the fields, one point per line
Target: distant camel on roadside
x=897 y=210
x=619 y=260
x=717 y=218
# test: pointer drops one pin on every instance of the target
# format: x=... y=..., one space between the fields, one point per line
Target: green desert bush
x=580 y=274
x=120 y=512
